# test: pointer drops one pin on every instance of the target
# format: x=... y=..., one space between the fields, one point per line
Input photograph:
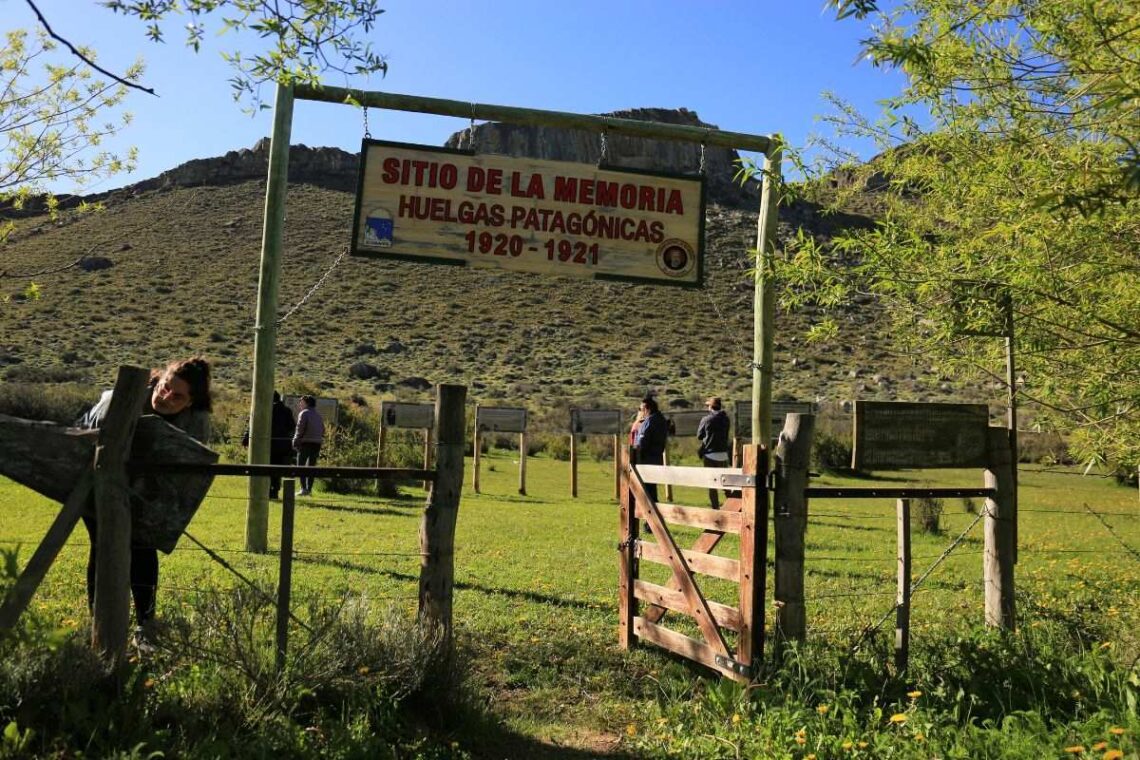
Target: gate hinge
x=730 y=664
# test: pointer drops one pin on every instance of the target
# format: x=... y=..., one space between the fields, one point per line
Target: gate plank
x=725 y=616
x=707 y=564
x=683 y=645
x=695 y=517
x=675 y=475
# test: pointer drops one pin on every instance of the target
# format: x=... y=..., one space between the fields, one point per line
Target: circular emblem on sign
x=675 y=257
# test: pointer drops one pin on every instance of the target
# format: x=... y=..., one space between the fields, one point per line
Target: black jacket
x=713 y=432
x=655 y=435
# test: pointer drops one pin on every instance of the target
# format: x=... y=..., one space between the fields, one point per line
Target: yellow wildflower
x=918 y=737
x=1099 y=746
x=862 y=745
x=898 y=718
x=810 y=757
x=1116 y=730
x=148 y=683
x=847 y=745
x=1076 y=749
x=822 y=709
x=363 y=670
x=801 y=740
x=914 y=694
x=631 y=730
x=1113 y=754
x=735 y=719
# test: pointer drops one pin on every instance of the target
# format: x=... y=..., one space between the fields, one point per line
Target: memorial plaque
x=900 y=435
x=780 y=410
x=328 y=408
x=394 y=414
x=685 y=423
x=501 y=419
x=596 y=421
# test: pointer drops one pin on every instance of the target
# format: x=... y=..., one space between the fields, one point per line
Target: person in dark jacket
x=179 y=394
x=307 y=438
x=712 y=432
x=652 y=437
x=281 y=431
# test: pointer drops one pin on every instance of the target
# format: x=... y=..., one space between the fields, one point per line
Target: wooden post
x=902 y=595
x=753 y=560
x=437 y=529
x=478 y=446
x=113 y=516
x=427 y=454
x=617 y=467
x=522 y=464
x=1011 y=412
x=285 y=574
x=793 y=456
x=265 y=327
x=764 y=299
x=665 y=461
x=573 y=466
x=998 y=558
x=627 y=557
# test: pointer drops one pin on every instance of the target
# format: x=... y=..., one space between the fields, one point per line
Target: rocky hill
x=169 y=266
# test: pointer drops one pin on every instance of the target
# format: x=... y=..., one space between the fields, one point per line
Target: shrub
x=928 y=513
x=352 y=442
x=56 y=403
x=828 y=452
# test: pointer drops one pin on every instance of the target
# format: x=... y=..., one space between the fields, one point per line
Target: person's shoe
x=304 y=492
x=146 y=636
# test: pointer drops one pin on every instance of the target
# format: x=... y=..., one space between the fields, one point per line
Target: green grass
x=535 y=614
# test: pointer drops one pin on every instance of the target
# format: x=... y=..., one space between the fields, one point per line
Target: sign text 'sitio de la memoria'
x=548 y=217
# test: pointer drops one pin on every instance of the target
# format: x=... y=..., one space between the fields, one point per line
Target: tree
x=49 y=109
x=48 y=119
x=1010 y=170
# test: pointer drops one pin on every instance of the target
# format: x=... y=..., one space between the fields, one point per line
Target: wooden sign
x=528 y=215
x=328 y=408
x=780 y=410
x=596 y=422
x=685 y=423
x=896 y=435
x=501 y=419
x=394 y=414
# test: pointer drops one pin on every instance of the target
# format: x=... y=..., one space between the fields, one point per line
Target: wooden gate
x=745 y=514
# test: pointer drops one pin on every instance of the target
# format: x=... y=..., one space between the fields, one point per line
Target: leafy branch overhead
x=1009 y=167
x=306 y=38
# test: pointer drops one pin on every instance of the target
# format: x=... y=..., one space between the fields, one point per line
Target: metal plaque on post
x=501 y=419
x=395 y=414
x=596 y=421
x=903 y=435
x=780 y=409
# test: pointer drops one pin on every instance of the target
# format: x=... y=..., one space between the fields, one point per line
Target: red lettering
x=391 y=171
x=674 y=205
x=495 y=181
x=606 y=194
x=536 y=189
x=518 y=213
x=448 y=176
x=645 y=202
x=586 y=191
x=407 y=207
x=628 y=196
x=565 y=189
x=475 y=179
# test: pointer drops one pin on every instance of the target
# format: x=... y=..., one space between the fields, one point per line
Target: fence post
x=998 y=557
x=437 y=529
x=478 y=445
x=573 y=466
x=522 y=464
x=113 y=516
x=793 y=455
x=627 y=558
x=902 y=596
x=617 y=467
x=285 y=574
x=753 y=559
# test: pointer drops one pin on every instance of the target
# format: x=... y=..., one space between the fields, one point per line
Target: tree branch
x=75 y=51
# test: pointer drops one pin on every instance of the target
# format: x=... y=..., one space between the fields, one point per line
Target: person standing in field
x=281 y=431
x=652 y=437
x=179 y=394
x=307 y=438
x=712 y=432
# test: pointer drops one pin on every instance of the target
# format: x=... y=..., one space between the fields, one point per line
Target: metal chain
x=603 y=155
x=315 y=287
x=701 y=168
x=367 y=134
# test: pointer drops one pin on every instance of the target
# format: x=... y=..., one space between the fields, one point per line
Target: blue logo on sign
x=378 y=229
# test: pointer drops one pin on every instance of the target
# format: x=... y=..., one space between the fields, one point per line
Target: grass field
x=535 y=614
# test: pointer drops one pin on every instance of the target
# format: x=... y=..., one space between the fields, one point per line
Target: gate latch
x=732 y=480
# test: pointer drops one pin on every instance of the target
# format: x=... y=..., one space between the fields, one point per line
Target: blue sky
x=754 y=66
